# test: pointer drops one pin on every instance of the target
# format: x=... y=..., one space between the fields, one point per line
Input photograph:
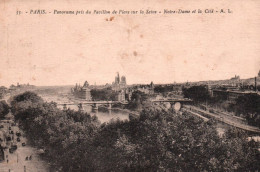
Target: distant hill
x=249 y=81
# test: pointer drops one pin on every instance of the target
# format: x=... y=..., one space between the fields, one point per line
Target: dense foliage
x=156 y=141
x=58 y=132
x=163 y=88
x=138 y=101
x=104 y=94
x=4 y=109
x=196 y=93
x=249 y=105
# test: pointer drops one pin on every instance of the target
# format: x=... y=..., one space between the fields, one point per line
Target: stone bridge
x=94 y=104
x=176 y=104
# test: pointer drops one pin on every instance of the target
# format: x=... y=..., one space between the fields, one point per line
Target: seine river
x=103 y=114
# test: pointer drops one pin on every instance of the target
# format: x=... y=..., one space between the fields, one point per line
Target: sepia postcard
x=133 y=85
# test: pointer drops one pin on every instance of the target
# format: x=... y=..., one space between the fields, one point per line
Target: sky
x=164 y=48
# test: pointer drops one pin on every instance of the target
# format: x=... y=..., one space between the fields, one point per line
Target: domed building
x=119 y=84
x=123 y=80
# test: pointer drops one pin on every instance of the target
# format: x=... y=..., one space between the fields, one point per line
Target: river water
x=103 y=114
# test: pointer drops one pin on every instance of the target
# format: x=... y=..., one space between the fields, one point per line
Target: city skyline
x=112 y=82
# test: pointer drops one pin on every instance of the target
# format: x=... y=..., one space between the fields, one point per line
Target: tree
x=249 y=106
x=104 y=94
x=138 y=100
x=26 y=106
x=60 y=133
x=27 y=96
x=196 y=93
x=156 y=141
x=162 y=141
x=163 y=88
x=4 y=109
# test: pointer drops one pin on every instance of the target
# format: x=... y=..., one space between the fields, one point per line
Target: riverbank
x=127 y=111
x=130 y=113
x=120 y=109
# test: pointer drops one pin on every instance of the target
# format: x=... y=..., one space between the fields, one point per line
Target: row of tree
x=156 y=141
x=104 y=94
x=163 y=88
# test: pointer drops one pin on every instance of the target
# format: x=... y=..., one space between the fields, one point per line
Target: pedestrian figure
x=30 y=158
x=7 y=160
x=26 y=158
